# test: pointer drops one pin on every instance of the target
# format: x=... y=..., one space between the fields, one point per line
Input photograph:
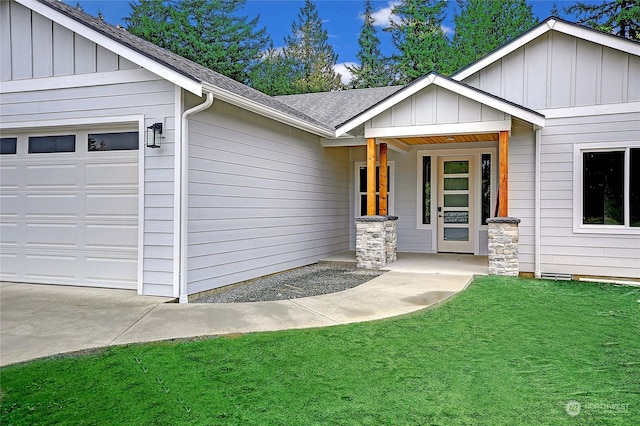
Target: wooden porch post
x=503 y=191
x=384 y=179
x=371 y=176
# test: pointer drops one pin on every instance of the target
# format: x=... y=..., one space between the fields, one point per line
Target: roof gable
x=448 y=84
x=550 y=24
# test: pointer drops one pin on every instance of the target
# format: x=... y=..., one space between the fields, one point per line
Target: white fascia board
x=439 y=129
x=590 y=110
x=399 y=96
x=244 y=103
x=490 y=101
x=393 y=144
x=137 y=58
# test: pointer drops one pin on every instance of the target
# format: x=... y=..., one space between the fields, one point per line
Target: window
x=485 y=165
x=48 y=144
x=123 y=141
x=361 y=186
x=426 y=190
x=8 y=146
x=611 y=188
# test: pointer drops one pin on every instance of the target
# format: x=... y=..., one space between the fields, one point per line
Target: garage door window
x=122 y=141
x=8 y=146
x=49 y=144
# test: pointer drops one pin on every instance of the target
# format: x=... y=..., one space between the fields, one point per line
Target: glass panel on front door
x=455 y=211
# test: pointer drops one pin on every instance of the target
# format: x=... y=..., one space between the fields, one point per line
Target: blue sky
x=341 y=19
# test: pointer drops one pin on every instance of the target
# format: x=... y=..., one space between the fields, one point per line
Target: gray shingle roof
x=335 y=108
x=179 y=64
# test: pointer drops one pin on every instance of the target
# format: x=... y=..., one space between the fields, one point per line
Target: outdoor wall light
x=154 y=134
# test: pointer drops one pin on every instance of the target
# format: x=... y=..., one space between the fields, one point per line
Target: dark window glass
x=362 y=187
x=363 y=204
x=426 y=190
x=486 y=187
x=123 y=141
x=634 y=190
x=603 y=188
x=8 y=145
x=46 y=144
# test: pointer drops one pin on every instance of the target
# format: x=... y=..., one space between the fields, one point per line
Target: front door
x=455 y=204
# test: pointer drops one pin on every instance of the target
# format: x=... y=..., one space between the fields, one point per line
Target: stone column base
x=376 y=241
x=504 y=237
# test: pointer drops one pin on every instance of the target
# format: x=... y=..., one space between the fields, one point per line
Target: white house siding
x=522 y=190
x=109 y=94
x=558 y=71
x=435 y=105
x=263 y=198
x=32 y=46
x=564 y=251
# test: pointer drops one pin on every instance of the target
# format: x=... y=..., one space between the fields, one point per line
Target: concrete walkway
x=44 y=320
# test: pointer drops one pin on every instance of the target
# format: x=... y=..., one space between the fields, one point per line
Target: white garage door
x=69 y=208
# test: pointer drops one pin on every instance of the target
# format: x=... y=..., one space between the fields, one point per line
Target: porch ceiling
x=422 y=140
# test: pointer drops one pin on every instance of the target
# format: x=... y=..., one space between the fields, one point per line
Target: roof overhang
x=581 y=32
x=448 y=84
x=128 y=53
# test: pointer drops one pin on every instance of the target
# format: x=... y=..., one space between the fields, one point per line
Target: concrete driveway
x=44 y=320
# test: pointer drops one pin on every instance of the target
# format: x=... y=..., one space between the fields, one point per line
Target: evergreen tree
x=418 y=36
x=484 y=25
x=619 y=17
x=208 y=32
x=311 y=56
x=274 y=74
x=373 y=70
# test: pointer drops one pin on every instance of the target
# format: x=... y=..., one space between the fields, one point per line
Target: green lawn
x=505 y=351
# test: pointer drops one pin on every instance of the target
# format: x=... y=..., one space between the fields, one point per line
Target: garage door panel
x=111 y=236
x=8 y=266
x=112 y=205
x=9 y=206
x=9 y=177
x=54 y=267
x=62 y=235
x=111 y=175
x=52 y=206
x=48 y=175
x=116 y=271
x=9 y=233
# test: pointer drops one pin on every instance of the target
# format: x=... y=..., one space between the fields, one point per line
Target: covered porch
x=425 y=263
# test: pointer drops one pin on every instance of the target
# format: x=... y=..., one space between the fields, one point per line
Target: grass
x=505 y=351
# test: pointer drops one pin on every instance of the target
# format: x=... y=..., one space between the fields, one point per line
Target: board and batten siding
x=562 y=250
x=435 y=105
x=263 y=198
x=32 y=46
x=110 y=94
x=557 y=70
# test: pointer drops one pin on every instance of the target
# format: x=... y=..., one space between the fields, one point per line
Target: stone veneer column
x=376 y=241
x=391 y=238
x=504 y=237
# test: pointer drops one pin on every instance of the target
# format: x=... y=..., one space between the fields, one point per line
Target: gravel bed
x=311 y=280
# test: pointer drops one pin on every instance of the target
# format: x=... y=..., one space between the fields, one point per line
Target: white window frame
x=390 y=187
x=578 y=151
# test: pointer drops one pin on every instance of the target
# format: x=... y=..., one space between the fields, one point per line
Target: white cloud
x=344 y=72
x=447 y=30
x=382 y=16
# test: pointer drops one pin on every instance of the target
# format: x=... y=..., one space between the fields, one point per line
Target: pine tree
x=418 y=36
x=484 y=25
x=311 y=56
x=208 y=32
x=373 y=70
x=619 y=17
x=274 y=74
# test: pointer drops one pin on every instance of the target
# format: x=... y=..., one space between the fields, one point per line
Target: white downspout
x=184 y=195
x=537 y=221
